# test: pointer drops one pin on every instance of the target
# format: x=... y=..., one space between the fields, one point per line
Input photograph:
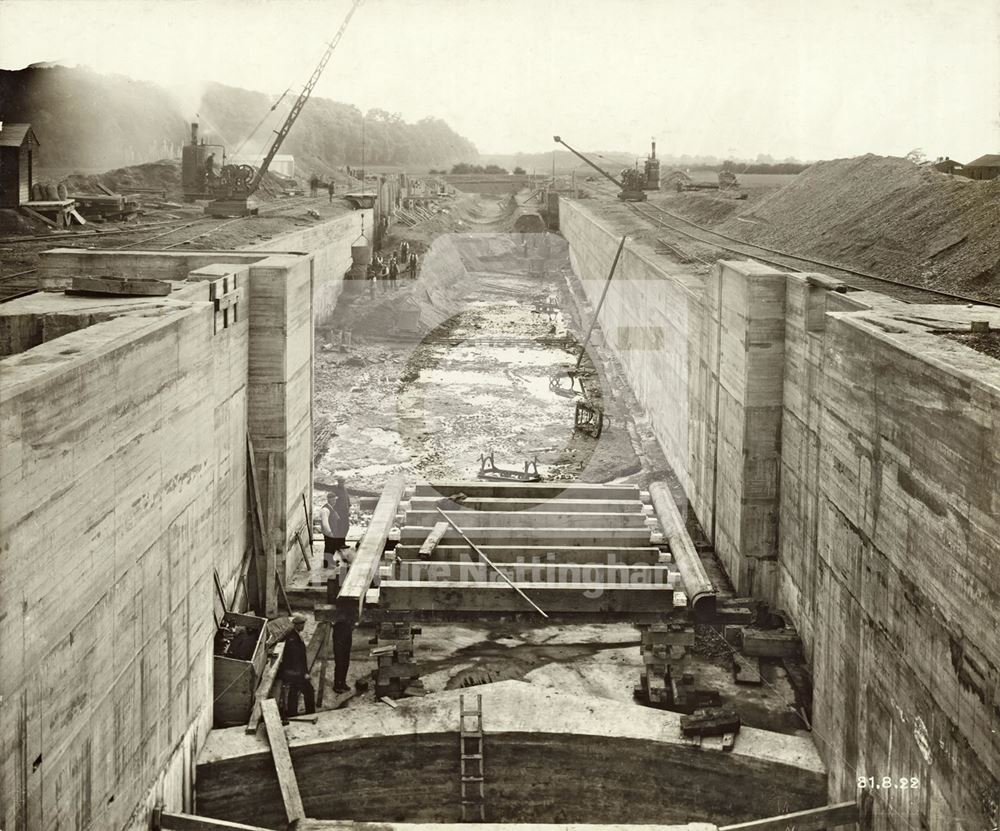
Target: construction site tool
x=590 y=419
x=489 y=562
x=472 y=761
x=488 y=470
x=557 y=381
x=631 y=184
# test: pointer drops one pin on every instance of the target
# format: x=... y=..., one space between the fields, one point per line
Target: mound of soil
x=888 y=216
x=162 y=175
x=12 y=222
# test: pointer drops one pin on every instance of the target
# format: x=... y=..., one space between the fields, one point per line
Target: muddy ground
x=429 y=406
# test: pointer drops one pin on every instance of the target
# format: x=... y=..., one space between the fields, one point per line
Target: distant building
x=283 y=164
x=17 y=146
x=946 y=165
x=985 y=167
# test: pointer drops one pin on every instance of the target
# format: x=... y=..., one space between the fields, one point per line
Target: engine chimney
x=194 y=132
x=654 y=149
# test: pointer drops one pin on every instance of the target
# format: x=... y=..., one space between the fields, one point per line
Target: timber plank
x=282 y=762
x=597 y=554
x=369 y=553
x=117 y=286
x=513 y=537
x=526 y=490
x=190 y=822
x=535 y=519
x=265 y=686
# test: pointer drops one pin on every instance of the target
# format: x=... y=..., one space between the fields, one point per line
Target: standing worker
x=313 y=185
x=343 y=640
x=404 y=252
x=330 y=522
x=342 y=509
x=413 y=265
x=295 y=671
x=393 y=271
x=332 y=189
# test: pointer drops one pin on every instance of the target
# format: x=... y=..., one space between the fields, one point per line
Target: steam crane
x=631 y=184
x=238 y=182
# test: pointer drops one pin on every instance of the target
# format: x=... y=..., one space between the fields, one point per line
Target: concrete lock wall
x=844 y=457
x=123 y=472
x=329 y=243
x=123 y=485
x=705 y=359
x=890 y=530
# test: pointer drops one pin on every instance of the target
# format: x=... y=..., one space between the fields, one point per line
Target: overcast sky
x=806 y=78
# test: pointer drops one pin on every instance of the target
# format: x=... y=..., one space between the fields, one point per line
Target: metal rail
x=812 y=261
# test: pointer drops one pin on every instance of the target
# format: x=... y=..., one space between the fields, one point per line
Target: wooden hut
x=18 y=145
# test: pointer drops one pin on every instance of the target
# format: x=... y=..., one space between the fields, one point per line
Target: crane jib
x=301 y=101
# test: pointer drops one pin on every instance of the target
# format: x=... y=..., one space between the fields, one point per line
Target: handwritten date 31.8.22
x=878 y=783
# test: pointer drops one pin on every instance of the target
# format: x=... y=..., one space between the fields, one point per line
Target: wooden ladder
x=472 y=778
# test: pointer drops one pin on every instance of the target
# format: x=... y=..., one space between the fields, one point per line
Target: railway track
x=861 y=280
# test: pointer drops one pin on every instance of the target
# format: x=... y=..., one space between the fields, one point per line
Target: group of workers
x=388 y=270
x=335 y=521
x=315 y=183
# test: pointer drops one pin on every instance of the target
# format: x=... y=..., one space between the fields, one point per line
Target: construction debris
x=712 y=722
x=395 y=671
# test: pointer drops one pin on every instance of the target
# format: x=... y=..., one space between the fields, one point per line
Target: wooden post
x=259 y=535
x=271 y=545
x=265 y=686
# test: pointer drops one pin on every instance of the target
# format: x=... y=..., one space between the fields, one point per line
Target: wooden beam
x=369 y=554
x=282 y=762
x=527 y=490
x=271 y=542
x=168 y=821
x=516 y=537
x=504 y=503
x=471 y=598
x=697 y=584
x=119 y=287
x=596 y=554
x=815 y=819
x=38 y=216
x=265 y=686
x=257 y=525
x=421 y=570
x=489 y=562
x=534 y=519
x=316 y=643
x=433 y=538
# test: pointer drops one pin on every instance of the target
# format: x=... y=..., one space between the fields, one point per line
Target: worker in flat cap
x=294 y=673
x=343 y=635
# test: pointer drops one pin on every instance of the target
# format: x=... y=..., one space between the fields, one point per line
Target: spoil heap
x=888 y=216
